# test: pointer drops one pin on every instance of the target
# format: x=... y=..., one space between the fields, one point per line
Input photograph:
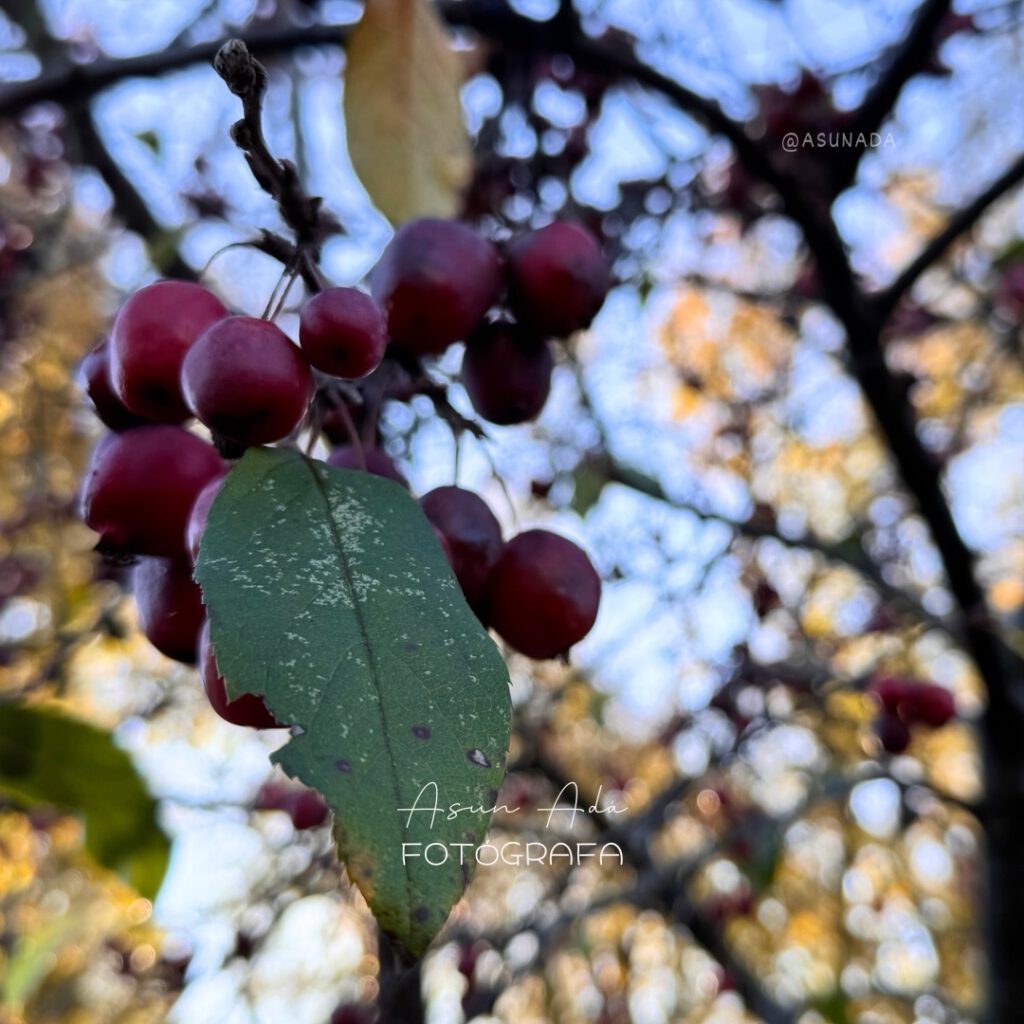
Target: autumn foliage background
x=707 y=441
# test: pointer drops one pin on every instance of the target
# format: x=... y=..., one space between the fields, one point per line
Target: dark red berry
x=197 y=517
x=170 y=606
x=306 y=807
x=248 y=709
x=930 y=705
x=152 y=332
x=889 y=691
x=95 y=376
x=472 y=533
x=352 y=1013
x=342 y=332
x=373 y=460
x=893 y=733
x=543 y=594
x=435 y=281
x=507 y=372
x=141 y=485
x=557 y=278
x=246 y=381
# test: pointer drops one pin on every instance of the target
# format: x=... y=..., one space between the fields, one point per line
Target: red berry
x=472 y=534
x=197 y=517
x=152 y=332
x=248 y=709
x=893 y=733
x=543 y=594
x=373 y=460
x=507 y=372
x=929 y=704
x=246 y=381
x=170 y=606
x=435 y=281
x=890 y=691
x=95 y=376
x=141 y=485
x=557 y=278
x=306 y=807
x=342 y=332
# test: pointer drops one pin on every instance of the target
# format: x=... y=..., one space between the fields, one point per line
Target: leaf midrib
x=371 y=660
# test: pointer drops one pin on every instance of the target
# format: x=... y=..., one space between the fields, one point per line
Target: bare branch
x=962 y=221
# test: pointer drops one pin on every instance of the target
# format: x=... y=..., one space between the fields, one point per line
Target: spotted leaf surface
x=330 y=597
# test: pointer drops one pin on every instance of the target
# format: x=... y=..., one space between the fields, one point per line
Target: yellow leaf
x=403 y=116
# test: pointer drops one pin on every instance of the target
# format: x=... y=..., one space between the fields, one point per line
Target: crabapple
x=170 y=606
x=435 y=281
x=140 y=487
x=246 y=381
x=543 y=594
x=342 y=332
x=153 y=331
x=506 y=371
x=248 y=709
x=471 y=532
x=557 y=278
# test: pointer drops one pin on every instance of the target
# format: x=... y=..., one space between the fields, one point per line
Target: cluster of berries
x=175 y=353
x=906 y=702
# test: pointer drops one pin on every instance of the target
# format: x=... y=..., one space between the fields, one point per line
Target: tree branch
x=961 y=221
x=905 y=59
x=75 y=82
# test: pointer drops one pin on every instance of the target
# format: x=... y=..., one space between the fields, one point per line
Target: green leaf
x=47 y=758
x=403 y=115
x=330 y=597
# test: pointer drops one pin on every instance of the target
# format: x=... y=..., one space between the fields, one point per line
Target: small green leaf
x=47 y=758
x=330 y=597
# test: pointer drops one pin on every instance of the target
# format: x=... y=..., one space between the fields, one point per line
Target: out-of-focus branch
x=961 y=221
x=129 y=206
x=70 y=82
x=904 y=60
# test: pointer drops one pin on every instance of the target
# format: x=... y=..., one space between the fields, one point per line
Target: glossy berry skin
x=435 y=281
x=915 y=702
x=197 y=517
x=506 y=371
x=472 y=534
x=375 y=461
x=557 y=278
x=342 y=332
x=95 y=376
x=170 y=606
x=543 y=594
x=892 y=732
x=306 y=807
x=246 y=381
x=140 y=488
x=248 y=709
x=153 y=331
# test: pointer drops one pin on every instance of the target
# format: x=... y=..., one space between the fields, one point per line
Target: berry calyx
x=95 y=376
x=170 y=606
x=472 y=535
x=197 y=517
x=342 y=332
x=506 y=371
x=153 y=331
x=557 y=278
x=346 y=456
x=246 y=381
x=543 y=594
x=248 y=709
x=435 y=281
x=140 y=488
